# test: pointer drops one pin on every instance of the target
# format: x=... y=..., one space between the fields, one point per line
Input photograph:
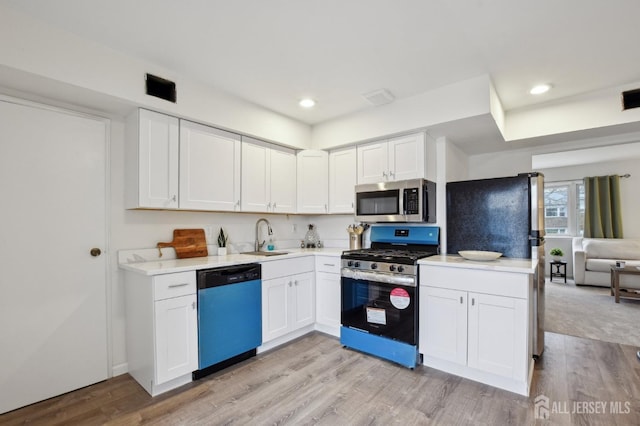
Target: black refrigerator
x=504 y=215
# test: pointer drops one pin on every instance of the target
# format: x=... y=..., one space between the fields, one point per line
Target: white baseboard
x=119 y=369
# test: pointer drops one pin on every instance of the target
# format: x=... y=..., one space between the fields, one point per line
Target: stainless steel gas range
x=379 y=289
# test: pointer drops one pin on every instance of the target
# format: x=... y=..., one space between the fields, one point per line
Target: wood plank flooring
x=314 y=380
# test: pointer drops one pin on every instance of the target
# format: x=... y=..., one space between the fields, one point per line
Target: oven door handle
x=379 y=277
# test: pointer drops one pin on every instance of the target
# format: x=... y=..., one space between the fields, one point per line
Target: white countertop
x=167 y=266
x=504 y=264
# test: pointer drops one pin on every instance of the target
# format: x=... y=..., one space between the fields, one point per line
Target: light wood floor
x=315 y=381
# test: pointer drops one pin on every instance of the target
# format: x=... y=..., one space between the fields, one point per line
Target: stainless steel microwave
x=400 y=201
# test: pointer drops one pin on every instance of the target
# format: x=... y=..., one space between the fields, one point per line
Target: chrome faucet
x=258 y=245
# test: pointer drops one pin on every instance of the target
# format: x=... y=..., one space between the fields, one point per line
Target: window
x=564 y=208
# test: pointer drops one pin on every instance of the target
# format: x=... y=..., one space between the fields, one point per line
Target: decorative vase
x=556 y=258
x=222 y=251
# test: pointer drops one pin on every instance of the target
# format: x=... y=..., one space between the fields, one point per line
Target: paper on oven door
x=376 y=316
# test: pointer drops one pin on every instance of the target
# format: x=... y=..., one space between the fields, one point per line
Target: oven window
x=378 y=202
x=384 y=309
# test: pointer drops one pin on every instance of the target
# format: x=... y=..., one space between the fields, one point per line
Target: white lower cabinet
x=480 y=336
x=328 y=295
x=288 y=297
x=162 y=329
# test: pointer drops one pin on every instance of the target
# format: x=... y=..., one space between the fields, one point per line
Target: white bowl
x=479 y=255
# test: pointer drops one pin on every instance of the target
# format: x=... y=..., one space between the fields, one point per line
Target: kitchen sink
x=265 y=253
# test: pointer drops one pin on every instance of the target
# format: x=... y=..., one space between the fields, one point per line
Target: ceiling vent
x=630 y=99
x=160 y=88
x=379 y=97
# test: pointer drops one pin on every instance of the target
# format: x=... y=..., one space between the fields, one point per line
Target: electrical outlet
x=207 y=233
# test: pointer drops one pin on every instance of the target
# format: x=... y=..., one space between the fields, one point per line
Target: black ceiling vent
x=630 y=99
x=161 y=88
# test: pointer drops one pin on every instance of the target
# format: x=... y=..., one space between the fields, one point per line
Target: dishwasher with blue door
x=229 y=316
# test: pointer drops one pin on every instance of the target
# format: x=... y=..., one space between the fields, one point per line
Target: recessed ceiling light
x=540 y=89
x=307 y=103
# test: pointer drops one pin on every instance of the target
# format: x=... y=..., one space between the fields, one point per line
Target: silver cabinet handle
x=461 y=300
x=193 y=305
x=238 y=204
x=173 y=198
x=384 y=174
x=352 y=204
x=391 y=174
x=473 y=301
x=290 y=283
x=178 y=285
x=330 y=264
x=326 y=207
x=295 y=282
x=274 y=206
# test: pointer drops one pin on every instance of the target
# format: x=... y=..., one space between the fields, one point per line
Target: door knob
x=95 y=252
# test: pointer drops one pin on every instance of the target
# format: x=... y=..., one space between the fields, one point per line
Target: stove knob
x=400 y=268
x=356 y=264
x=392 y=268
x=374 y=266
x=350 y=263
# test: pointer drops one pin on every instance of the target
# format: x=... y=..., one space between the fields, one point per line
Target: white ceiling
x=275 y=52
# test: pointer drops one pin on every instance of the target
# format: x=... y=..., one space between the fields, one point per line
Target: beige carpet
x=591 y=312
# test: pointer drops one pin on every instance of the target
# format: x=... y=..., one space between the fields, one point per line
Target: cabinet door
x=328 y=300
x=342 y=180
x=283 y=181
x=407 y=157
x=443 y=324
x=372 y=162
x=313 y=181
x=209 y=168
x=256 y=179
x=304 y=300
x=276 y=307
x=158 y=146
x=497 y=335
x=176 y=337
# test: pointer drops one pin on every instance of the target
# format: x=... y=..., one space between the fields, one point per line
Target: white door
x=209 y=168
x=313 y=181
x=304 y=303
x=53 y=306
x=256 y=180
x=276 y=308
x=282 y=170
x=158 y=160
x=342 y=180
x=176 y=337
x=372 y=162
x=497 y=340
x=407 y=157
x=443 y=324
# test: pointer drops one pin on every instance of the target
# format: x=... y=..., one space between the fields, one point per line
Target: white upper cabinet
x=394 y=159
x=152 y=160
x=342 y=180
x=313 y=181
x=209 y=168
x=268 y=178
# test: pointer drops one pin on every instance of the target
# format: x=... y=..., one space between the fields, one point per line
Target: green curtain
x=602 y=210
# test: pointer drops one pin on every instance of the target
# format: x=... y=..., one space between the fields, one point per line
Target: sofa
x=593 y=258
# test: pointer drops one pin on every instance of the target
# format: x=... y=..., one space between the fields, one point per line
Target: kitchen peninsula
x=476 y=319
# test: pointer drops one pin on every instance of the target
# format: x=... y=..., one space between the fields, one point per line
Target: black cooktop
x=395 y=255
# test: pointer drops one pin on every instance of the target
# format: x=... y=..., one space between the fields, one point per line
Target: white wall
x=464 y=99
x=94 y=75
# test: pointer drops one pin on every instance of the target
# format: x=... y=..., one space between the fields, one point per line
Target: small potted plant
x=556 y=254
x=222 y=243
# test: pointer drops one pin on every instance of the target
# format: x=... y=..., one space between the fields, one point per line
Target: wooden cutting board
x=187 y=243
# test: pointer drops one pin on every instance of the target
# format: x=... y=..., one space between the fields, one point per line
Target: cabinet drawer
x=329 y=264
x=282 y=268
x=174 y=285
